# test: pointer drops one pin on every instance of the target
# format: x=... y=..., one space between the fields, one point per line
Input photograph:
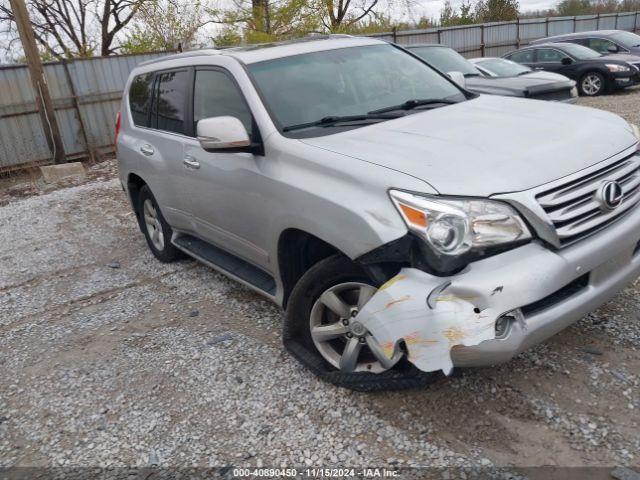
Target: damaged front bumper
x=446 y=322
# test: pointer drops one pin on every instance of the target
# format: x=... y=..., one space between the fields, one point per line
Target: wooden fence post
x=39 y=82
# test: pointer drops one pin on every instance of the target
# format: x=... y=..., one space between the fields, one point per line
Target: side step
x=226 y=262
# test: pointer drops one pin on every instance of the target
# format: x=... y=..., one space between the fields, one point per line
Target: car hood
x=622 y=57
x=534 y=81
x=487 y=145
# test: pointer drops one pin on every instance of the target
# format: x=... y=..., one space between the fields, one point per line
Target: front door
x=226 y=188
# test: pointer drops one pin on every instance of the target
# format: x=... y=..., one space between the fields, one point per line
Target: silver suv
x=406 y=225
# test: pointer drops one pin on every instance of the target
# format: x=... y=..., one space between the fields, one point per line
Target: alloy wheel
x=154 y=227
x=341 y=340
x=591 y=84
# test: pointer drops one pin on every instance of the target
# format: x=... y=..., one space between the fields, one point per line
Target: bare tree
x=341 y=14
x=74 y=28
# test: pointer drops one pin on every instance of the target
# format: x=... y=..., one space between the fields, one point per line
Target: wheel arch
x=134 y=185
x=298 y=251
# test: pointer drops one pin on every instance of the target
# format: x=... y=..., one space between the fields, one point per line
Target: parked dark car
x=602 y=41
x=539 y=87
x=594 y=72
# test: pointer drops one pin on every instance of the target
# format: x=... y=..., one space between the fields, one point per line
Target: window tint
x=216 y=95
x=139 y=95
x=550 y=55
x=168 y=106
x=600 y=45
x=526 y=56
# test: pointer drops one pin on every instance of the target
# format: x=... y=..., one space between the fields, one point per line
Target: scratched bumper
x=447 y=322
x=553 y=289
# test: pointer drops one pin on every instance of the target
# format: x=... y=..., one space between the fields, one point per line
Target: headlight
x=455 y=226
x=635 y=130
x=614 y=67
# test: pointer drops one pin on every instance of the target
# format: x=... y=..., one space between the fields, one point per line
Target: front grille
x=557 y=95
x=573 y=209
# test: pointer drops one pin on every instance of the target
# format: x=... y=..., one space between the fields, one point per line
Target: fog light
x=504 y=322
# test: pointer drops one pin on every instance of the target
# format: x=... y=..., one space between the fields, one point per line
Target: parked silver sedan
x=539 y=85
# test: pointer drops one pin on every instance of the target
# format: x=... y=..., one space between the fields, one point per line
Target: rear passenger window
x=139 y=96
x=168 y=107
x=525 y=56
x=216 y=95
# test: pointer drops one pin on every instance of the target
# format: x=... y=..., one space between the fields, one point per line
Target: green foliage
x=164 y=25
x=450 y=17
x=496 y=10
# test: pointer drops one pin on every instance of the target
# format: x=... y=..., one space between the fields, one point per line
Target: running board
x=226 y=262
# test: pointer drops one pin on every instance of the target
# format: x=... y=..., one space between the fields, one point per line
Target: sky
x=431 y=8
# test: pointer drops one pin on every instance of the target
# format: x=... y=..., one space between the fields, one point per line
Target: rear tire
x=155 y=228
x=592 y=84
x=337 y=274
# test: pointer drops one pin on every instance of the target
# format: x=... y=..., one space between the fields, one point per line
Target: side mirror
x=219 y=133
x=566 y=61
x=457 y=77
x=612 y=49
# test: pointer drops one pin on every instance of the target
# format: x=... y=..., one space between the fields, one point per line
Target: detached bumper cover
x=533 y=276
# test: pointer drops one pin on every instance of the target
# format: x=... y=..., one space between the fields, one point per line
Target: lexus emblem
x=610 y=195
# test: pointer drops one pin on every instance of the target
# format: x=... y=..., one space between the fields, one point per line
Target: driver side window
x=215 y=95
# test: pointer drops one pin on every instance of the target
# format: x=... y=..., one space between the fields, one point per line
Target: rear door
x=549 y=59
x=164 y=145
x=524 y=57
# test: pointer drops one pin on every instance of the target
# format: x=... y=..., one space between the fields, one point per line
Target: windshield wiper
x=332 y=120
x=411 y=104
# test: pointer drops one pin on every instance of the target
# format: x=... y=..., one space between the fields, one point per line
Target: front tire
x=155 y=228
x=320 y=331
x=592 y=84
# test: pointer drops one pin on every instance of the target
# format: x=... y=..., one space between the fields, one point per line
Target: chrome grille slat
x=582 y=207
x=587 y=185
x=573 y=208
x=587 y=224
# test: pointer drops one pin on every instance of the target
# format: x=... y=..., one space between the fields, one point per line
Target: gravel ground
x=110 y=358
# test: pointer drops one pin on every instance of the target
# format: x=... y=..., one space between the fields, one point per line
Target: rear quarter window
x=139 y=98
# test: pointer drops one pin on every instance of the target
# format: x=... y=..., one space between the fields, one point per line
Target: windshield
x=627 y=39
x=343 y=82
x=446 y=60
x=579 y=52
x=503 y=68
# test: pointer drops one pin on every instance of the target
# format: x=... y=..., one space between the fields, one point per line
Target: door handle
x=190 y=162
x=147 y=150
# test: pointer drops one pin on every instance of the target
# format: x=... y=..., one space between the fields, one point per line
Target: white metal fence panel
x=86 y=95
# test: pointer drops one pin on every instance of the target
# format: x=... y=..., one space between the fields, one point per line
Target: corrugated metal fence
x=86 y=93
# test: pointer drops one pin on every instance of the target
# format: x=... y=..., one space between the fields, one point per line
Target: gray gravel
x=110 y=358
